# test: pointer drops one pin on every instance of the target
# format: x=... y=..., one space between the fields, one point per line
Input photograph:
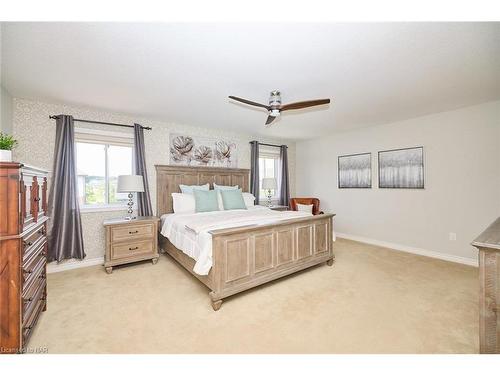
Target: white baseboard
x=72 y=264
x=410 y=249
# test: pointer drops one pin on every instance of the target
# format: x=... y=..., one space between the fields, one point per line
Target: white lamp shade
x=130 y=184
x=269 y=183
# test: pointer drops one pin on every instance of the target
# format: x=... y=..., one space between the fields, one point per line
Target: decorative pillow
x=249 y=199
x=183 y=203
x=219 y=200
x=305 y=207
x=233 y=200
x=188 y=189
x=205 y=200
x=222 y=187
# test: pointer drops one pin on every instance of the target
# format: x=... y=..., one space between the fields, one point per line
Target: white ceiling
x=374 y=73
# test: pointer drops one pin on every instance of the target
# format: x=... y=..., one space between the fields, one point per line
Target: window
x=269 y=159
x=100 y=158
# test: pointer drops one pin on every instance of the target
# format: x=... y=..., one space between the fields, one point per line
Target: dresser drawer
x=30 y=323
x=131 y=249
x=132 y=231
x=33 y=272
x=31 y=302
x=33 y=241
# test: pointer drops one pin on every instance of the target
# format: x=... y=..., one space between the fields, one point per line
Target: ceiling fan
x=275 y=107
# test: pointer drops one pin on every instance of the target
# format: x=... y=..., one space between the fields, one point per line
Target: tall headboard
x=169 y=177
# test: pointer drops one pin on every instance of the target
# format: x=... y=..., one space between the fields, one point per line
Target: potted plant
x=7 y=143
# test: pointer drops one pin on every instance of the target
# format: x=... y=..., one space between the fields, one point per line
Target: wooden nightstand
x=277 y=208
x=130 y=241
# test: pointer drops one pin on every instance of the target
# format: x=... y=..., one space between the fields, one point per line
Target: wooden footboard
x=249 y=256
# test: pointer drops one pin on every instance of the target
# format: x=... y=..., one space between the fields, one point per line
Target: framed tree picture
x=355 y=171
x=401 y=169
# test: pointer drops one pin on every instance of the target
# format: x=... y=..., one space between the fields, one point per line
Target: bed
x=245 y=254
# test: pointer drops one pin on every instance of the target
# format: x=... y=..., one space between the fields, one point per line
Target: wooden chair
x=313 y=201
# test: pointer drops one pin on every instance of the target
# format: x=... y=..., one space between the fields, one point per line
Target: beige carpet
x=373 y=300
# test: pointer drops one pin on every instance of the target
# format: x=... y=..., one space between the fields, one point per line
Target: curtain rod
x=268 y=144
x=103 y=123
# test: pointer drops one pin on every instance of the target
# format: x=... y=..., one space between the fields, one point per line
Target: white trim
x=73 y=264
x=410 y=249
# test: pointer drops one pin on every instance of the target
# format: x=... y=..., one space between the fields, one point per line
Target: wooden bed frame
x=245 y=257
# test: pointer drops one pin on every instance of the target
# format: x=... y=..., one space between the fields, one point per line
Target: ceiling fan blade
x=270 y=119
x=249 y=102
x=304 y=104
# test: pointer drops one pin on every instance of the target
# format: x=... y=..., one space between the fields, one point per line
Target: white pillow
x=249 y=199
x=184 y=203
x=305 y=208
x=219 y=200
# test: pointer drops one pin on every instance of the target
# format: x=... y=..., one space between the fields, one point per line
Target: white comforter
x=190 y=232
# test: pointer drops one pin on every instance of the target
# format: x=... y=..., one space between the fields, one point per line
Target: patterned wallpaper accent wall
x=36 y=132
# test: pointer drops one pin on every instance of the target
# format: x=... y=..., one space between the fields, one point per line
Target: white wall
x=5 y=111
x=462 y=181
x=36 y=134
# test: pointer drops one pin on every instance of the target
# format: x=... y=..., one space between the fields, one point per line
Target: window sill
x=103 y=209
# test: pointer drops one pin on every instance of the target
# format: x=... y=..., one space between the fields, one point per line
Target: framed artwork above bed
x=202 y=151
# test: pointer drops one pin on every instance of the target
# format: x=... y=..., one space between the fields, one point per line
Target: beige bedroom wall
x=462 y=181
x=36 y=133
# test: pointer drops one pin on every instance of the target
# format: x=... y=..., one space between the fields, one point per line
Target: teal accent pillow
x=188 y=189
x=224 y=187
x=233 y=200
x=205 y=200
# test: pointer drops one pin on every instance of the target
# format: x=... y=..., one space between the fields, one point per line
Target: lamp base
x=269 y=196
x=130 y=211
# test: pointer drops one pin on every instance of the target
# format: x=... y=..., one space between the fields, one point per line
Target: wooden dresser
x=488 y=244
x=130 y=241
x=23 y=253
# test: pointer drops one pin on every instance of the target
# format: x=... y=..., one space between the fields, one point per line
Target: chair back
x=308 y=201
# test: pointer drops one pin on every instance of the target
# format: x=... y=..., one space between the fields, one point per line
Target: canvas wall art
x=355 y=171
x=202 y=151
x=401 y=169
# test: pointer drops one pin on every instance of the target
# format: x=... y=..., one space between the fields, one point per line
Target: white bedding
x=190 y=232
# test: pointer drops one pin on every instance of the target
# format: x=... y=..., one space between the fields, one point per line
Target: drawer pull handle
x=41 y=277
x=41 y=231
x=133 y=248
x=133 y=232
x=28 y=271
x=36 y=199
x=27 y=243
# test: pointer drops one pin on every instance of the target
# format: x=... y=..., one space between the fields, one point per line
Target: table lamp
x=130 y=184
x=269 y=184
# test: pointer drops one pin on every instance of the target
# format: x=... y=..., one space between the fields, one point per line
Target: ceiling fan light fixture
x=275 y=107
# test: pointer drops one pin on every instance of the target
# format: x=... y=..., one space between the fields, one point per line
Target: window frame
x=270 y=153
x=105 y=138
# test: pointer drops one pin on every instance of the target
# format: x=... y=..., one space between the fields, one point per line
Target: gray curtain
x=143 y=199
x=65 y=239
x=254 y=170
x=283 y=178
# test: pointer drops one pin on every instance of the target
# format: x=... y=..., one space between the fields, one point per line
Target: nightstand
x=277 y=208
x=129 y=241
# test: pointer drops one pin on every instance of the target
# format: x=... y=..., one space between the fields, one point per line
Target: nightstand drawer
x=131 y=249
x=132 y=231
